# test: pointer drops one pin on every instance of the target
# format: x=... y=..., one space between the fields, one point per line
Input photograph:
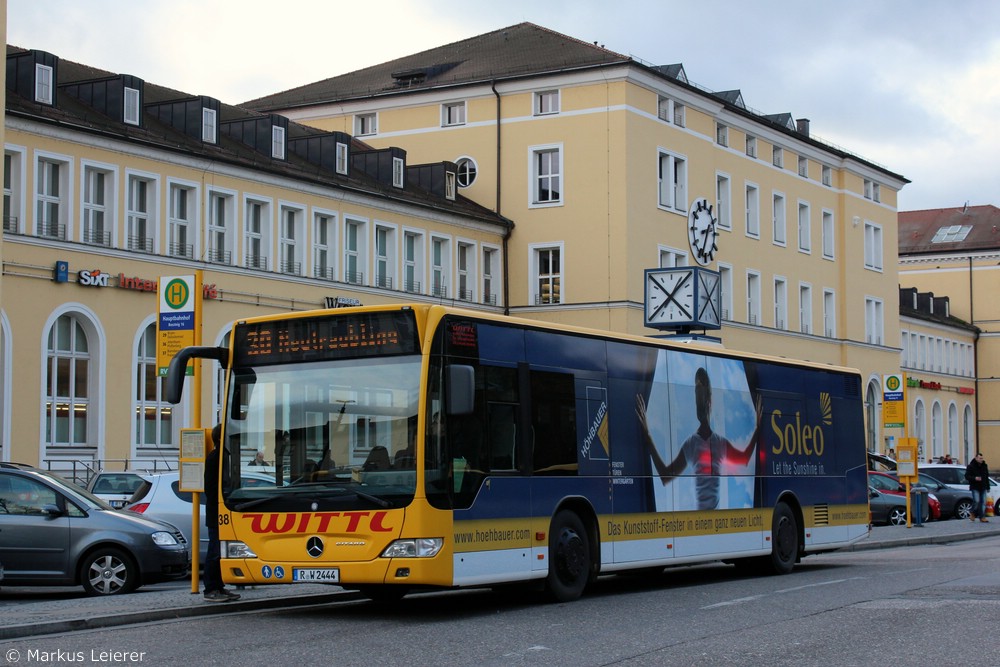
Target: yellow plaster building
x=600 y=158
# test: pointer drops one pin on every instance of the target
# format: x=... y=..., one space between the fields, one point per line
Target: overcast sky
x=911 y=85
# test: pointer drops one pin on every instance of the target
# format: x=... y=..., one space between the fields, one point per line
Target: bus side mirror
x=460 y=389
x=174 y=386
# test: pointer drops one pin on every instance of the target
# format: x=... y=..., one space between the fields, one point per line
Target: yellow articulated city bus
x=420 y=447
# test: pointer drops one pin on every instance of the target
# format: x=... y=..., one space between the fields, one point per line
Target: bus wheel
x=384 y=593
x=569 y=557
x=784 y=540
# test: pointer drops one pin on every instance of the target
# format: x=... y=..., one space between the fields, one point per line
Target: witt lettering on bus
x=318 y=522
x=796 y=438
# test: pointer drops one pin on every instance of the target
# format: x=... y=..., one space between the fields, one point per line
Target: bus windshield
x=329 y=435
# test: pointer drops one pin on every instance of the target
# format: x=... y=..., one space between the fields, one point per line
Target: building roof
x=84 y=113
x=949 y=230
x=517 y=51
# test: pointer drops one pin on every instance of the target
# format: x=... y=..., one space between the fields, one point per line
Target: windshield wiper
x=252 y=503
x=381 y=502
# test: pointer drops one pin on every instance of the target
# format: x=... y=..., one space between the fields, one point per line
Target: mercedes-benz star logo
x=314 y=547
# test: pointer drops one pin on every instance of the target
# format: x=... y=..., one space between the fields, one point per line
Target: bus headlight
x=236 y=549
x=420 y=547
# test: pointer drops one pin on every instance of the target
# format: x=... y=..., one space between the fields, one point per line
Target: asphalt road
x=903 y=605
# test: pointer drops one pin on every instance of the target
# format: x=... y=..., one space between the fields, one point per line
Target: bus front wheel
x=569 y=557
x=784 y=540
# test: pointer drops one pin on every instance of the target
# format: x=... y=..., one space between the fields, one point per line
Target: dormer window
x=449 y=185
x=209 y=125
x=43 y=84
x=341 y=158
x=277 y=142
x=397 y=172
x=130 y=114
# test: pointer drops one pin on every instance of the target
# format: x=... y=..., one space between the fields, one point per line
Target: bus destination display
x=325 y=338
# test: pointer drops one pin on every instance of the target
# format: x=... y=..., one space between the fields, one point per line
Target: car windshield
x=326 y=435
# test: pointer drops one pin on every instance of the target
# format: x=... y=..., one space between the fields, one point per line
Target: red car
x=889 y=484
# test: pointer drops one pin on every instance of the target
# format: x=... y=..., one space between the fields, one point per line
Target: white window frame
x=366 y=124
x=723 y=200
x=867 y=189
x=136 y=218
x=829 y=313
x=108 y=210
x=751 y=198
x=556 y=278
x=827 y=176
x=44 y=84
x=278 y=142
x=342 y=166
x=669 y=258
x=398 y=172
x=753 y=297
x=779 y=225
x=805 y=227
x=491 y=275
x=726 y=290
x=63 y=199
x=453 y=114
x=671 y=180
x=355 y=250
x=873 y=246
x=257 y=239
x=290 y=248
x=385 y=251
x=209 y=125
x=13 y=191
x=414 y=258
x=324 y=244
x=547 y=102
x=722 y=134
x=780 y=302
x=466 y=261
x=874 y=320
x=537 y=175
x=803 y=166
x=439 y=265
x=226 y=232
x=130 y=106
x=188 y=224
x=829 y=234
x=778 y=157
x=468 y=169
x=805 y=308
x=671 y=111
x=751 y=142
x=450 y=186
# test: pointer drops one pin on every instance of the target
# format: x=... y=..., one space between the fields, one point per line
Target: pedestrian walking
x=977 y=474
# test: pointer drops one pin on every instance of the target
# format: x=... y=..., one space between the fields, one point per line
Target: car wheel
x=897 y=516
x=963 y=509
x=109 y=571
x=569 y=558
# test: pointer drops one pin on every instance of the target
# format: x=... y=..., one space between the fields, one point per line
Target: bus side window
x=553 y=418
x=502 y=432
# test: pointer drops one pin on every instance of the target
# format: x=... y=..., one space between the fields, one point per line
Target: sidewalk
x=30 y=612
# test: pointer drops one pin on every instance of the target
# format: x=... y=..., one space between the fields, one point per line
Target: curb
x=26 y=630
x=917 y=538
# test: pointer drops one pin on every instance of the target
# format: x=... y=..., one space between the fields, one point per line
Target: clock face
x=709 y=306
x=702 y=232
x=670 y=296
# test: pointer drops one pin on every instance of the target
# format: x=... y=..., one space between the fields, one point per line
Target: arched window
x=968 y=434
x=219 y=390
x=67 y=387
x=920 y=427
x=871 y=415
x=952 y=430
x=936 y=426
x=154 y=423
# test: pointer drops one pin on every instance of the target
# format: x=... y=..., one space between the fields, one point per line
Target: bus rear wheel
x=569 y=557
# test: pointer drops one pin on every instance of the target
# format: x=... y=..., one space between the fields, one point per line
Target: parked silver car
x=57 y=534
x=116 y=488
x=159 y=497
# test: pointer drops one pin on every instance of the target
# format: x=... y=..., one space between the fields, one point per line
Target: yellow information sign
x=893 y=401
x=175 y=326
